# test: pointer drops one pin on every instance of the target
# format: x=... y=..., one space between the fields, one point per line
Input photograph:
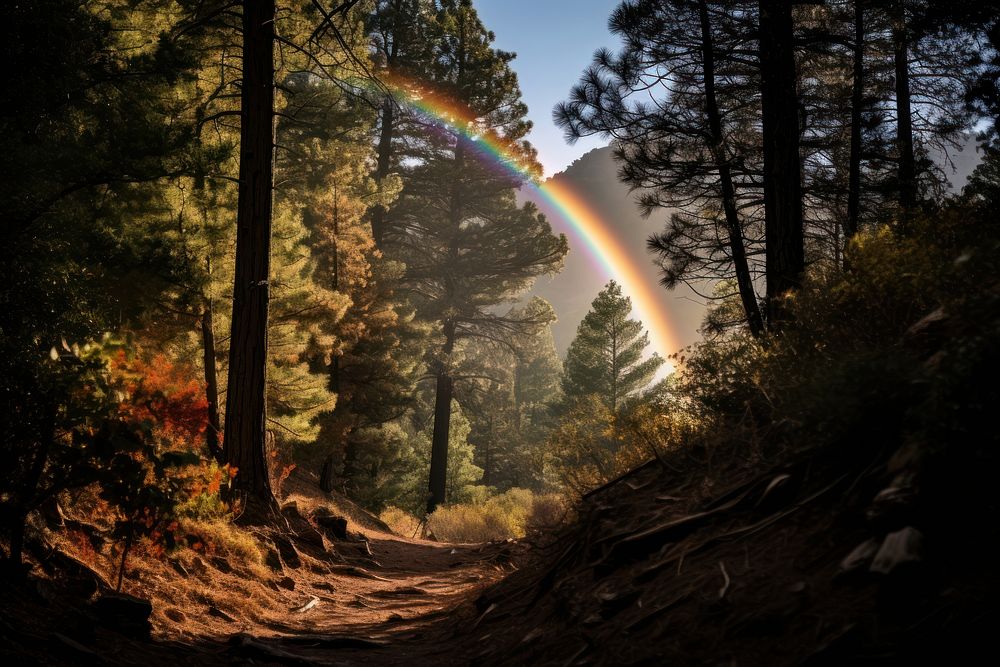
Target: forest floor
x=815 y=560
x=317 y=599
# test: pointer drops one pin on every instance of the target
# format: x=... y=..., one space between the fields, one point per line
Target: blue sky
x=554 y=41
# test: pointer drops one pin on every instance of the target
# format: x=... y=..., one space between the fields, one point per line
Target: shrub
x=508 y=515
x=400 y=521
x=221 y=537
x=590 y=447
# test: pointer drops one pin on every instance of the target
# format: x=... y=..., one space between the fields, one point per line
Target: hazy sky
x=554 y=41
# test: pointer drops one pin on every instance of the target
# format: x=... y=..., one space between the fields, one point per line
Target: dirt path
x=367 y=593
x=369 y=597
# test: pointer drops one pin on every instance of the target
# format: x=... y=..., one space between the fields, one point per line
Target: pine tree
x=90 y=129
x=508 y=391
x=605 y=358
x=466 y=244
x=695 y=149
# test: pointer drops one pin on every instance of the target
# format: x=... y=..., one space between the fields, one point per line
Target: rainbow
x=597 y=235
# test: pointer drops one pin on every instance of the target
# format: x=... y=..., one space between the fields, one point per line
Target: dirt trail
x=366 y=593
x=369 y=597
x=362 y=612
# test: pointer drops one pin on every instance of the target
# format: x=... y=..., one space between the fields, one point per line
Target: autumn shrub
x=588 y=448
x=510 y=514
x=220 y=537
x=400 y=521
x=548 y=511
x=206 y=485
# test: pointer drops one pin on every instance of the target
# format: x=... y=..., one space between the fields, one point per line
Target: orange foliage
x=167 y=395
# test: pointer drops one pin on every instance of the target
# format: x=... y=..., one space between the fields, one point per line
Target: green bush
x=845 y=369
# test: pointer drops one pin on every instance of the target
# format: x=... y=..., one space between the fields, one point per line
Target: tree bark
x=382 y=169
x=438 y=486
x=327 y=474
x=857 y=100
x=245 y=437
x=737 y=248
x=438 y=483
x=782 y=164
x=211 y=381
x=906 y=173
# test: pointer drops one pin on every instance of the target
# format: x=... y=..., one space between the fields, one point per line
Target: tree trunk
x=782 y=164
x=906 y=173
x=382 y=168
x=244 y=442
x=211 y=381
x=737 y=248
x=857 y=100
x=438 y=487
x=488 y=459
x=445 y=384
x=327 y=474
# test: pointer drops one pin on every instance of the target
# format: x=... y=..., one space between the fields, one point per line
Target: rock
x=290 y=509
x=894 y=505
x=334 y=526
x=175 y=615
x=899 y=548
x=289 y=556
x=124 y=613
x=287 y=582
x=860 y=557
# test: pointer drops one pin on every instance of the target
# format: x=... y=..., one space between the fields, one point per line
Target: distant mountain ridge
x=594 y=177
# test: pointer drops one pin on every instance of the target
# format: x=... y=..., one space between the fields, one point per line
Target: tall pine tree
x=467 y=245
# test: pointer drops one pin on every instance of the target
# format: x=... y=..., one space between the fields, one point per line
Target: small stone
x=860 y=556
x=899 y=548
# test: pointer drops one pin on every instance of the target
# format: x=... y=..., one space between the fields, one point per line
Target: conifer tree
x=606 y=357
x=694 y=150
x=466 y=243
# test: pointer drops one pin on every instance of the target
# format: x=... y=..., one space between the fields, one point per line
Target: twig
x=725 y=576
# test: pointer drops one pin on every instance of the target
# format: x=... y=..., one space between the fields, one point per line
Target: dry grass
x=220 y=537
x=402 y=522
x=511 y=514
